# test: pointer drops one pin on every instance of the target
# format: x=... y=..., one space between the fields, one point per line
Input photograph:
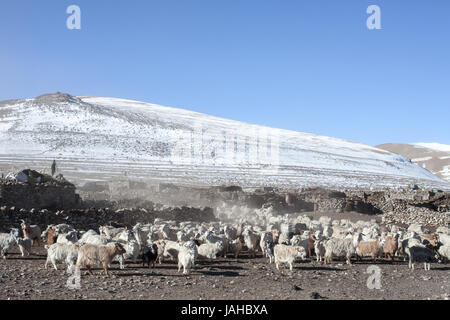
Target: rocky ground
x=230 y=279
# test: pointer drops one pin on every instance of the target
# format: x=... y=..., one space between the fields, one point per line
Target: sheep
x=390 y=246
x=209 y=250
x=67 y=238
x=368 y=249
x=420 y=253
x=341 y=248
x=288 y=254
x=7 y=242
x=59 y=252
x=90 y=255
x=149 y=254
x=32 y=232
x=24 y=246
x=251 y=240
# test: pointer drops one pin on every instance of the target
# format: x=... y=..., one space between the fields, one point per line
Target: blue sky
x=309 y=66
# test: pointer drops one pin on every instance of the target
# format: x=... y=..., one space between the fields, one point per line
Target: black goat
x=149 y=255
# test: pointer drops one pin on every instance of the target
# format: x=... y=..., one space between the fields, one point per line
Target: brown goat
x=430 y=239
x=51 y=236
x=91 y=255
x=311 y=241
x=368 y=249
x=31 y=232
x=390 y=247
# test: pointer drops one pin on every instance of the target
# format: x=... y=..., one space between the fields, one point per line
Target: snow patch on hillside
x=433 y=146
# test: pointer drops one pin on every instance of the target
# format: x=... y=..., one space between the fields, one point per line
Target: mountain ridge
x=432 y=156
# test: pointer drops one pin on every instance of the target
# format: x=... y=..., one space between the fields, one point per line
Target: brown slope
x=435 y=161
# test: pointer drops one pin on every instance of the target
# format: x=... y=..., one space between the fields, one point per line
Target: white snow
x=100 y=138
x=421 y=159
x=433 y=146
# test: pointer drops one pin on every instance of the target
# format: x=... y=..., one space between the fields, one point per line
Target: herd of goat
x=281 y=239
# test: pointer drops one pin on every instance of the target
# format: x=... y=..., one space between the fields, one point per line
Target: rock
x=316 y=296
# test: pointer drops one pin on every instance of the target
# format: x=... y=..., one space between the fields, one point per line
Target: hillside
x=432 y=156
x=95 y=138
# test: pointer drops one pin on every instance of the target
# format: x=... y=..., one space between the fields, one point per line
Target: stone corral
x=49 y=195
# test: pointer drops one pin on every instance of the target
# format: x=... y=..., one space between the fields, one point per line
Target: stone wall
x=40 y=196
x=86 y=219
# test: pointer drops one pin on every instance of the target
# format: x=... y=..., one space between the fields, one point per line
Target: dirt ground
x=230 y=279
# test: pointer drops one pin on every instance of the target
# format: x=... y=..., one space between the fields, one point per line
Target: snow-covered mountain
x=95 y=138
x=433 y=156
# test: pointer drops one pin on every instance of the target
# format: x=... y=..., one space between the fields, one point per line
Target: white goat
x=209 y=250
x=221 y=240
x=58 y=252
x=132 y=252
x=342 y=248
x=67 y=238
x=186 y=257
x=251 y=240
x=7 y=242
x=288 y=254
